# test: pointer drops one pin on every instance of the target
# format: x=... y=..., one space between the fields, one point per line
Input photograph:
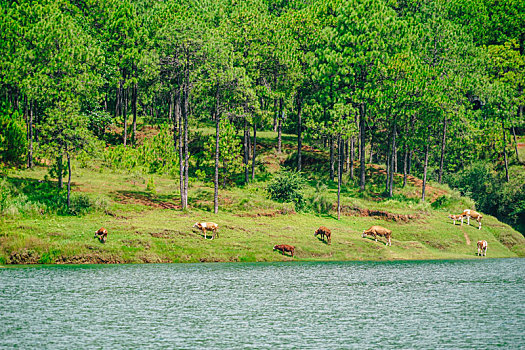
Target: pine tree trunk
x=280 y=126
x=217 y=133
x=68 y=179
x=299 y=134
x=125 y=113
x=393 y=162
x=117 y=100
x=410 y=154
x=388 y=162
x=246 y=151
x=275 y=116
x=443 y=143
x=181 y=149
x=505 y=151
x=516 y=144
x=170 y=107
x=186 y=146
x=254 y=149
x=134 y=107
x=60 y=171
x=405 y=167
x=352 y=155
x=332 y=158
x=339 y=175
x=346 y=160
x=362 y=125
x=30 y=148
x=425 y=167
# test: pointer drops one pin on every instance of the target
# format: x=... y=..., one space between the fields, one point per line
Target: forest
x=429 y=88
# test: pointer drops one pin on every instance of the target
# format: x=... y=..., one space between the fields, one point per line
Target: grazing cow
x=101 y=234
x=456 y=217
x=203 y=226
x=284 y=248
x=379 y=231
x=471 y=214
x=325 y=233
x=482 y=248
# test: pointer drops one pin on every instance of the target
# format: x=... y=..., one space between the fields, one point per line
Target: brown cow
x=207 y=226
x=284 y=248
x=379 y=231
x=482 y=248
x=101 y=234
x=472 y=214
x=324 y=233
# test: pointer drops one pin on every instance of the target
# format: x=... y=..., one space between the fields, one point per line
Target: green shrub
x=80 y=204
x=320 y=201
x=155 y=155
x=13 y=136
x=490 y=191
x=286 y=187
x=150 y=187
x=454 y=203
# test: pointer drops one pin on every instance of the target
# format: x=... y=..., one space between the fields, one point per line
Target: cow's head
x=364 y=234
x=197 y=225
x=316 y=232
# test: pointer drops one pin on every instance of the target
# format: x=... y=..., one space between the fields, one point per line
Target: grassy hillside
x=148 y=226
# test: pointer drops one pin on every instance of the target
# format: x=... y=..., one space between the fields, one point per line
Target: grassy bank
x=148 y=226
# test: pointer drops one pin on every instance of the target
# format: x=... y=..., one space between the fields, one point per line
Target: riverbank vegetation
x=259 y=115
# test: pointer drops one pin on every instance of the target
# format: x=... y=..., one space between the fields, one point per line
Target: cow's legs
x=204 y=232
x=479 y=222
x=461 y=220
x=468 y=220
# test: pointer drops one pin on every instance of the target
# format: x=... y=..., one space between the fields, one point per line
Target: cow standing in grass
x=324 y=233
x=284 y=248
x=379 y=231
x=101 y=234
x=456 y=218
x=203 y=226
x=471 y=214
x=482 y=248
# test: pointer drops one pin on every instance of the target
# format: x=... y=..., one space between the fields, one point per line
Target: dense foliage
x=426 y=87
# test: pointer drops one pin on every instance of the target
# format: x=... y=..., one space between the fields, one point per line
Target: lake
x=302 y=305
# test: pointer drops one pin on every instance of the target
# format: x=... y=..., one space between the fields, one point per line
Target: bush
x=80 y=204
x=286 y=187
x=156 y=155
x=13 y=137
x=493 y=195
x=320 y=202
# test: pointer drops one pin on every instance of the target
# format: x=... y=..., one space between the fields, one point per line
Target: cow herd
x=325 y=234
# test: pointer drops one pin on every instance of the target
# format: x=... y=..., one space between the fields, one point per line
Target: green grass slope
x=146 y=227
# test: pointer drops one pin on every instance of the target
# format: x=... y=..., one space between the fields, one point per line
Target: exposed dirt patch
x=136 y=244
x=430 y=192
x=55 y=234
x=118 y=217
x=169 y=234
x=235 y=228
x=467 y=238
x=268 y=214
x=144 y=199
x=438 y=245
x=384 y=215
